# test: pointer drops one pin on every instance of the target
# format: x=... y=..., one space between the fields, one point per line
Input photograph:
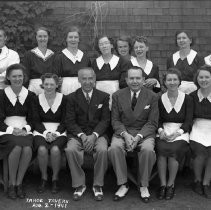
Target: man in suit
x=87 y=119
x=134 y=120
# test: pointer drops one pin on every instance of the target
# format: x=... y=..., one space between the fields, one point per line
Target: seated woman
x=175 y=121
x=200 y=136
x=49 y=128
x=186 y=60
x=15 y=128
x=151 y=71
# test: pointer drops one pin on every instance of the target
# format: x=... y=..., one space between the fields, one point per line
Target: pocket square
x=147 y=107
x=99 y=106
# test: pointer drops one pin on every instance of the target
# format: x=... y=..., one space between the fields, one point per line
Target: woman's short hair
x=123 y=38
x=13 y=67
x=97 y=39
x=53 y=76
x=172 y=70
x=202 y=68
x=141 y=39
x=42 y=28
x=73 y=29
x=189 y=35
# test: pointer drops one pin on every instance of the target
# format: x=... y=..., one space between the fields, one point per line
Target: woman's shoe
x=20 y=191
x=197 y=187
x=161 y=193
x=11 y=192
x=170 y=192
x=55 y=186
x=207 y=191
x=42 y=187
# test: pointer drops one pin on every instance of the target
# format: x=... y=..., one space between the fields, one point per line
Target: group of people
x=62 y=102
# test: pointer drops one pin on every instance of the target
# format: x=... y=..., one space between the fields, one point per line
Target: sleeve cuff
x=79 y=135
x=157 y=84
x=57 y=133
x=28 y=128
x=181 y=131
x=9 y=130
x=96 y=134
x=140 y=135
x=122 y=133
x=159 y=130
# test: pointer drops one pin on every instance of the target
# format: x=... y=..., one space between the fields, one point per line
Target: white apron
x=69 y=85
x=187 y=87
x=201 y=131
x=34 y=86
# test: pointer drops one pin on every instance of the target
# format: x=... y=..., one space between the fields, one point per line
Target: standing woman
x=49 y=135
x=200 y=135
x=7 y=57
x=38 y=61
x=15 y=128
x=110 y=69
x=151 y=71
x=174 y=124
x=69 y=61
x=186 y=60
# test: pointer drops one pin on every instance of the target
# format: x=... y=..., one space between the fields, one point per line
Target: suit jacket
x=143 y=120
x=82 y=117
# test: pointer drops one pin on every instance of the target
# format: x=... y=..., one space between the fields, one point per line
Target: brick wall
x=158 y=20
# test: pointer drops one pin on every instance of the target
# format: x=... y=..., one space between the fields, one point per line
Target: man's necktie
x=134 y=100
x=87 y=98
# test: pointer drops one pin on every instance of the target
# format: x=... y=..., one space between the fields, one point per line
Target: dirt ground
x=185 y=198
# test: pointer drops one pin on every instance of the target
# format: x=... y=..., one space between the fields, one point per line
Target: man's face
x=134 y=79
x=87 y=79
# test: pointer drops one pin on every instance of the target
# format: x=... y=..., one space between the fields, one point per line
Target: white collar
x=178 y=104
x=78 y=57
x=190 y=57
x=201 y=97
x=13 y=97
x=148 y=66
x=113 y=62
x=90 y=93
x=137 y=93
x=208 y=60
x=44 y=104
x=48 y=53
x=4 y=52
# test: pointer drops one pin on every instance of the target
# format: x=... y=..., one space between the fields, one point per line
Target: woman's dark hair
x=189 y=35
x=54 y=77
x=42 y=28
x=202 y=68
x=97 y=39
x=123 y=38
x=13 y=67
x=172 y=70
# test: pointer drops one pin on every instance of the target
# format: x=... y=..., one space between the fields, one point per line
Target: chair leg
x=5 y=173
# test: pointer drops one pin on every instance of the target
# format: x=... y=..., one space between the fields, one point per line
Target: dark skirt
x=198 y=149
x=9 y=141
x=60 y=141
x=176 y=149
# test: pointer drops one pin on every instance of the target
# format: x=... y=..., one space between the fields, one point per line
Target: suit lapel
x=82 y=100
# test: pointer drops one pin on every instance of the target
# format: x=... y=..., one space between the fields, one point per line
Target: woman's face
x=42 y=38
x=204 y=79
x=72 y=39
x=16 y=78
x=105 y=46
x=3 y=39
x=172 y=82
x=123 y=48
x=140 y=49
x=49 y=85
x=183 y=41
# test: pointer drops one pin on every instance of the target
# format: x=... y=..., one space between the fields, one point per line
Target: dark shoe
x=42 y=187
x=55 y=186
x=11 y=192
x=170 y=192
x=121 y=192
x=79 y=191
x=197 y=187
x=144 y=193
x=207 y=191
x=98 y=193
x=20 y=192
x=161 y=193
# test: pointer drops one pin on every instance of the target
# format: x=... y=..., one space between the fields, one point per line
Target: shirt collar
x=90 y=93
x=137 y=93
x=113 y=62
x=4 y=52
x=190 y=56
x=208 y=60
x=13 y=97
x=44 y=104
x=178 y=104
x=201 y=97
x=39 y=54
x=78 y=57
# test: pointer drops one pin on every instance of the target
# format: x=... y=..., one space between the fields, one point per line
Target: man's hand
x=83 y=139
x=137 y=139
x=128 y=141
x=90 y=142
x=150 y=83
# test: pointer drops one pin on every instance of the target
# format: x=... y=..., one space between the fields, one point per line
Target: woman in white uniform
x=7 y=57
x=200 y=135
